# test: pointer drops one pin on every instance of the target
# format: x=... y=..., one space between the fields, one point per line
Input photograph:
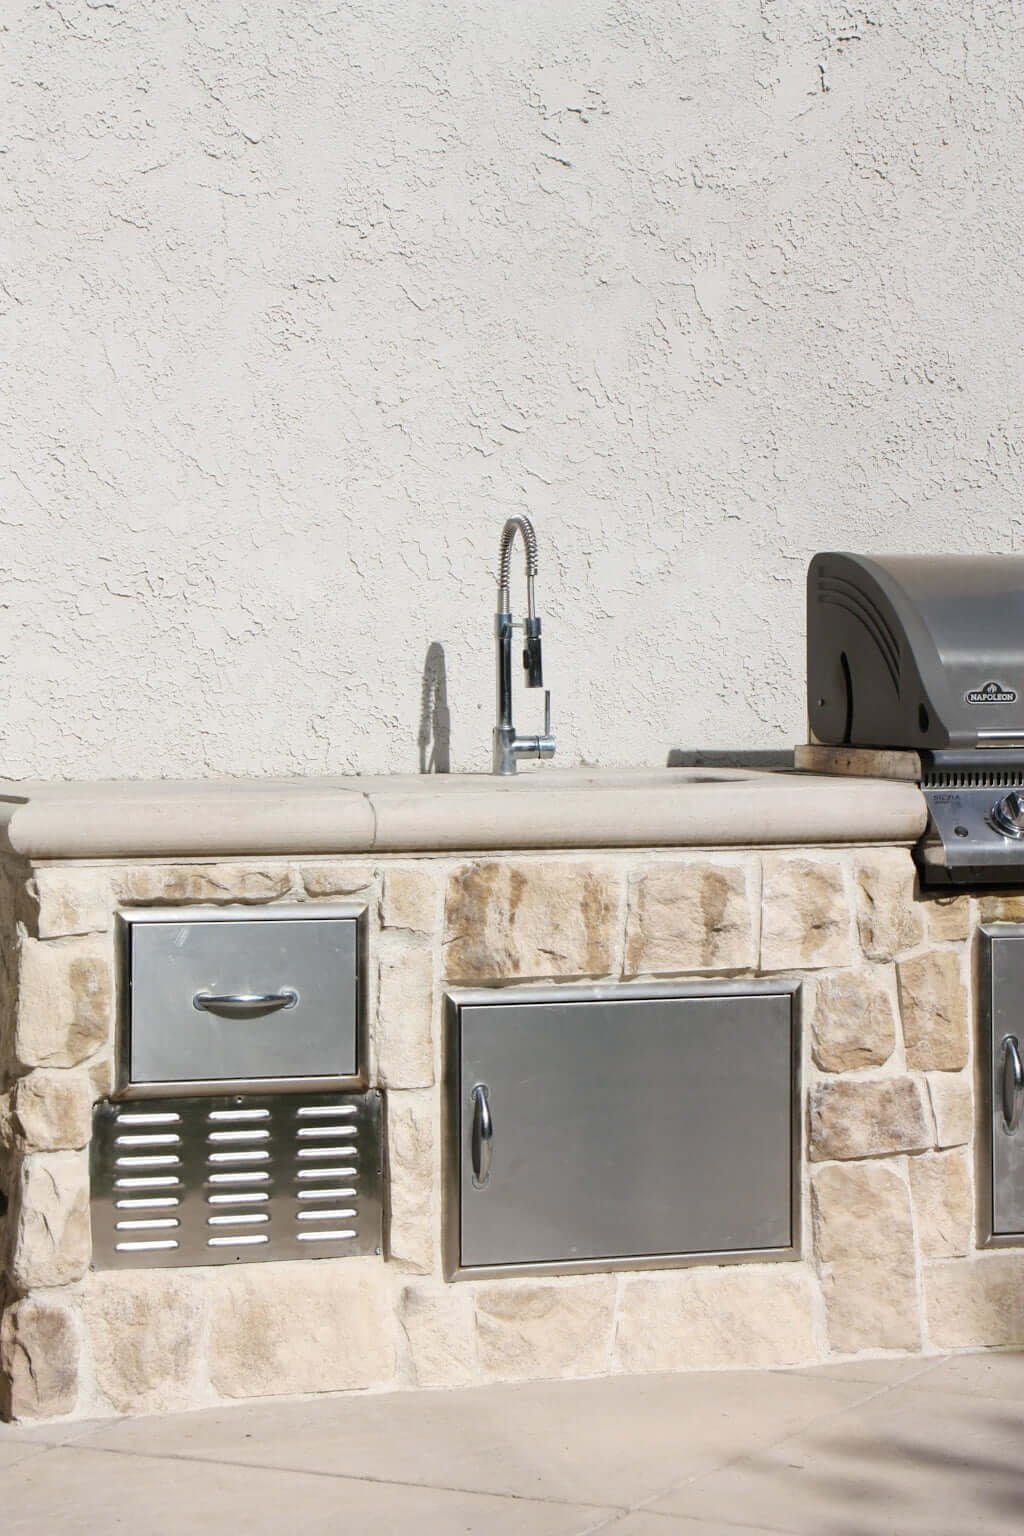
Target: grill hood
x=917 y=652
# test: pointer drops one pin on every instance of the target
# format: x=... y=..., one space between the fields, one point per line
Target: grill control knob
x=1008 y=814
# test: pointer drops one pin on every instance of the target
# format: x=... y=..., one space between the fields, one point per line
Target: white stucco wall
x=300 y=300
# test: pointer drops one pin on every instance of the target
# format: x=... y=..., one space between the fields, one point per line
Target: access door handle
x=1013 y=1084
x=482 y=1137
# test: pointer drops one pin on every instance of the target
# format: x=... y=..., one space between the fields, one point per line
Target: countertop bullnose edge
x=406 y=814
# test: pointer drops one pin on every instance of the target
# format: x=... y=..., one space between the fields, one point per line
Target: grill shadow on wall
x=728 y=757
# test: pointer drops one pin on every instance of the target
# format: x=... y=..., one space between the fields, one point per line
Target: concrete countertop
x=540 y=807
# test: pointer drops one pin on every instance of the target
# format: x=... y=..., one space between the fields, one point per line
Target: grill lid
x=920 y=652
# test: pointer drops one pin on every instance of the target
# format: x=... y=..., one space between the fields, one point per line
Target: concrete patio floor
x=932 y=1446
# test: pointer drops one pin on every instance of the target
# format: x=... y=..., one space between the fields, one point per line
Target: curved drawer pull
x=1013 y=1084
x=245 y=1002
x=483 y=1135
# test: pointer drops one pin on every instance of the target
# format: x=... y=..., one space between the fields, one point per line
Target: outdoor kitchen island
x=716 y=886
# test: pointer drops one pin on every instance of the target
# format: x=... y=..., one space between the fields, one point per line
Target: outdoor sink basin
x=633 y=807
x=541 y=777
x=615 y=778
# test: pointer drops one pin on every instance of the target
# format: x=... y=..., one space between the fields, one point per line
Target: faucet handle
x=546 y=743
x=533 y=664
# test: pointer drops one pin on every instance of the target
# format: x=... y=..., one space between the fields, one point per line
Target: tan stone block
x=867 y=1309
x=65 y=1001
x=531 y=1329
x=155 y=884
x=39 y=1354
x=864 y=1242
x=933 y=1006
x=1001 y=909
x=52 y=1109
x=692 y=916
x=862 y=1210
x=102 y=1077
x=72 y=901
x=145 y=1332
x=943 y=1203
x=871 y=1117
x=505 y=920
x=327 y=1326
x=335 y=879
x=412 y=898
x=18 y=901
x=806 y=920
x=949 y=918
x=413 y=1230
x=889 y=919
x=975 y=1303
x=953 y=1108
x=52 y=1242
x=438 y=1326
x=404 y=1036
x=853 y=1021
x=729 y=1315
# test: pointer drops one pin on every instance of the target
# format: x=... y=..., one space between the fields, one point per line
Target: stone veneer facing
x=890 y=1260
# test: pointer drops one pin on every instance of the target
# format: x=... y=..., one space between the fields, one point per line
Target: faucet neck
x=508 y=746
x=522 y=525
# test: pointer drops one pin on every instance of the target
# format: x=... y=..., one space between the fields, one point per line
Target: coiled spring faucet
x=508 y=747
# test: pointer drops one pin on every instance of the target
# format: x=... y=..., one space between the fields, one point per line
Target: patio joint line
x=348 y=1477
x=881 y=1388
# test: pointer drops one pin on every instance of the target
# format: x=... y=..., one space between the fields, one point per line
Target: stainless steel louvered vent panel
x=236 y=1179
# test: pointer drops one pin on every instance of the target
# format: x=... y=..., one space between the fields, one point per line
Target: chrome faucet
x=508 y=747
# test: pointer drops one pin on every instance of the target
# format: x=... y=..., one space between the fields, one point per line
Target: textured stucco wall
x=301 y=299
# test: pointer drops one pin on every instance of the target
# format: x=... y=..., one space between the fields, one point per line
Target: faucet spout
x=508 y=746
x=514 y=525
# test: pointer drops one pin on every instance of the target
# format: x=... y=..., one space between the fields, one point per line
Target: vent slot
x=145 y=1119
x=325 y=1237
x=236 y=1180
x=972 y=778
x=137 y=1224
x=325 y=1111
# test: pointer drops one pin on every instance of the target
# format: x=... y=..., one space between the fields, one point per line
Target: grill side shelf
x=236 y=1179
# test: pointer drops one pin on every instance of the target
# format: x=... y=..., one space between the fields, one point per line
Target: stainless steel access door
x=591 y=1130
x=1001 y=1143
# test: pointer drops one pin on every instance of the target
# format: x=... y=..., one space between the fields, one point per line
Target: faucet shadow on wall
x=435 y=732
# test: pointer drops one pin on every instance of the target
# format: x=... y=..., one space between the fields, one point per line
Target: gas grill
x=917 y=664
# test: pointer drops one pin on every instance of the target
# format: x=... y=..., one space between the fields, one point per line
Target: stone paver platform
x=876 y=1448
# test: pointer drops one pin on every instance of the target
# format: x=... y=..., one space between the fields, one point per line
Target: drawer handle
x=483 y=1134
x=245 y=1002
x=1013 y=1084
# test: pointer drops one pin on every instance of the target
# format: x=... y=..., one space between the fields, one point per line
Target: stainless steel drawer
x=221 y=998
